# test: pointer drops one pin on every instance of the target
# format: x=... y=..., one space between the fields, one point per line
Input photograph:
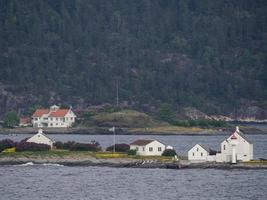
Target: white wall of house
x=154 y=148
x=40 y=138
x=198 y=154
x=244 y=150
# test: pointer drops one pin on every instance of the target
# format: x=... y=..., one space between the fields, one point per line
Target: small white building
x=200 y=153
x=41 y=138
x=148 y=147
x=53 y=117
x=237 y=147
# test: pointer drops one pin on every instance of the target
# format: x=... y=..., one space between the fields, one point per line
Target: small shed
x=41 y=138
x=200 y=153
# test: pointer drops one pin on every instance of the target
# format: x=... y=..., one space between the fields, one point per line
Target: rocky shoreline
x=129 y=163
x=127 y=131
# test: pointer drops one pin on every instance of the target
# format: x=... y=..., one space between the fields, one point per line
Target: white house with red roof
x=53 y=117
x=237 y=147
x=148 y=147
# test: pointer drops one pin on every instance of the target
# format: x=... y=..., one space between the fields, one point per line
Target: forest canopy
x=206 y=54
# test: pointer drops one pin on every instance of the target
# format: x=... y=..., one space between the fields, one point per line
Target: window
x=197 y=149
x=193 y=154
x=150 y=148
x=143 y=148
x=51 y=124
x=223 y=147
x=201 y=154
x=136 y=148
x=159 y=148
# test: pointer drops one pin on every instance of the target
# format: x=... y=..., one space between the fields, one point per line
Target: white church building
x=237 y=147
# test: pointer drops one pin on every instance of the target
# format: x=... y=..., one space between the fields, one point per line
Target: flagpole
x=114 y=139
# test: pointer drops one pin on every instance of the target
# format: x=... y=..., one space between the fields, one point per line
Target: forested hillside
x=207 y=54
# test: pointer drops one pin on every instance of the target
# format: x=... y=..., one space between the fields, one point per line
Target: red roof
x=59 y=113
x=40 y=112
x=24 y=120
x=233 y=137
x=141 y=142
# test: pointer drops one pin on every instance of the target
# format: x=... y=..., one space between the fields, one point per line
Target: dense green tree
x=11 y=119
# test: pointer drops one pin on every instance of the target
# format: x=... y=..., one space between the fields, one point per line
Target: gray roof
x=244 y=137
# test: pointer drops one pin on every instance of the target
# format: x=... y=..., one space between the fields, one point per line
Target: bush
x=11 y=119
x=85 y=147
x=73 y=146
x=6 y=143
x=31 y=146
x=119 y=148
x=66 y=145
x=132 y=152
x=169 y=152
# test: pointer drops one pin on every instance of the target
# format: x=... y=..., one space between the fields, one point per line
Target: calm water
x=61 y=182
x=182 y=143
x=97 y=183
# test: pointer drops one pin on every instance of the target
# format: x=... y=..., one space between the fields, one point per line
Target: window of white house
x=143 y=148
x=150 y=148
x=201 y=154
x=136 y=148
x=193 y=154
x=223 y=147
x=197 y=149
x=159 y=148
x=51 y=124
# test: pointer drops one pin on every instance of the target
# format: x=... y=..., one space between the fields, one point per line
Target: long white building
x=53 y=117
x=148 y=147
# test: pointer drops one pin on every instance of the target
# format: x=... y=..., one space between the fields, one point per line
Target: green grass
x=125 y=118
x=79 y=154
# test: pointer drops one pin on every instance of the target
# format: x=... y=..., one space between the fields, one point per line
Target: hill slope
x=206 y=54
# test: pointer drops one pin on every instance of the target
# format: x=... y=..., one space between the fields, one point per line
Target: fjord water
x=45 y=182
x=181 y=143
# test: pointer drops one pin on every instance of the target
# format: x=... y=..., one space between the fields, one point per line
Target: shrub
x=132 y=152
x=11 y=119
x=85 y=147
x=119 y=148
x=66 y=145
x=6 y=143
x=31 y=146
x=169 y=152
